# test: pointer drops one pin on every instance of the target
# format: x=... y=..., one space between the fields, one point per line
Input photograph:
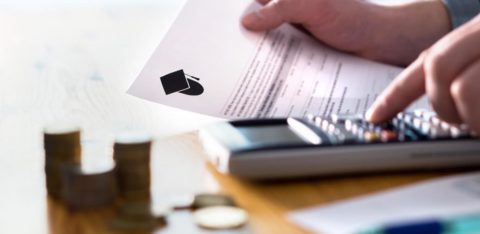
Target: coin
x=62 y=145
x=139 y=216
x=137 y=195
x=132 y=157
x=142 y=210
x=121 y=223
x=220 y=217
x=136 y=210
x=134 y=178
x=83 y=191
x=66 y=132
x=206 y=200
x=134 y=140
x=61 y=137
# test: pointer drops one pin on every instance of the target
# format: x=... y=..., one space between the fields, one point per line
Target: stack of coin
x=217 y=211
x=83 y=190
x=132 y=158
x=62 y=145
x=137 y=215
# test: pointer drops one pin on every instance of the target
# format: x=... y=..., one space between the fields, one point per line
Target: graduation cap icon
x=180 y=82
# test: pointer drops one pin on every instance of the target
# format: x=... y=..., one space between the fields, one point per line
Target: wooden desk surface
x=178 y=169
x=75 y=64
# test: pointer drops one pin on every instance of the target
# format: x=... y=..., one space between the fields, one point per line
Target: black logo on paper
x=180 y=82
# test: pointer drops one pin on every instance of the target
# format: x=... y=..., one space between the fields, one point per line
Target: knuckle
x=281 y=5
x=423 y=55
x=462 y=91
x=436 y=103
x=435 y=61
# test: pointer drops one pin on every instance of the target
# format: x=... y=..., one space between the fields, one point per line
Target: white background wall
x=105 y=40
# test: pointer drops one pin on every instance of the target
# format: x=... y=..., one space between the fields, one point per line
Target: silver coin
x=207 y=200
x=220 y=217
x=133 y=140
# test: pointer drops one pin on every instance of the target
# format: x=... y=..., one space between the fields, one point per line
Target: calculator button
x=345 y=137
x=356 y=128
x=337 y=119
x=437 y=132
x=317 y=121
x=408 y=135
x=360 y=133
x=464 y=127
x=378 y=130
x=342 y=134
x=459 y=131
x=311 y=117
x=408 y=119
x=375 y=127
x=396 y=121
x=349 y=124
x=342 y=118
x=371 y=136
x=400 y=128
x=398 y=124
x=369 y=126
x=428 y=116
x=445 y=125
x=325 y=125
x=331 y=128
x=366 y=126
x=417 y=123
x=388 y=136
x=425 y=127
x=419 y=113
x=436 y=121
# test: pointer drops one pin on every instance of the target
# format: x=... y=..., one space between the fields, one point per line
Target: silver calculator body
x=339 y=144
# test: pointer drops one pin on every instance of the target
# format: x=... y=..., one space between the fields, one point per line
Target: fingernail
x=251 y=19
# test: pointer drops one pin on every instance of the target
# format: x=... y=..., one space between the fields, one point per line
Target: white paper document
x=440 y=198
x=208 y=63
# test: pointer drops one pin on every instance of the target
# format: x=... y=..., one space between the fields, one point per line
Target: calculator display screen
x=270 y=135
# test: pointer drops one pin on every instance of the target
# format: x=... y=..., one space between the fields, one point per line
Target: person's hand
x=393 y=34
x=448 y=72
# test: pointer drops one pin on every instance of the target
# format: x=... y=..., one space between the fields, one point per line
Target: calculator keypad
x=408 y=126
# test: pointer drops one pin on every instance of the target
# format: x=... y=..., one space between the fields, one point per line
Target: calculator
x=338 y=144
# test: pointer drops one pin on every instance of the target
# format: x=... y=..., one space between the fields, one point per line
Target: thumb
x=269 y=16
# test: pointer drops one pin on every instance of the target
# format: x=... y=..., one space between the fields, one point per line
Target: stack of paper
x=441 y=198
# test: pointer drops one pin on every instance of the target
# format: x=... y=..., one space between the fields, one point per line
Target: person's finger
x=272 y=15
x=437 y=88
x=441 y=64
x=465 y=91
x=445 y=60
x=406 y=88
